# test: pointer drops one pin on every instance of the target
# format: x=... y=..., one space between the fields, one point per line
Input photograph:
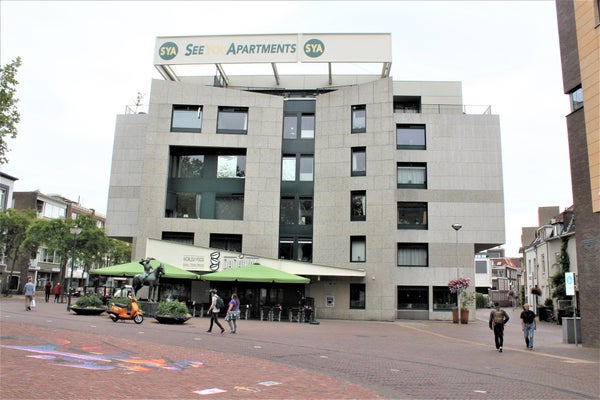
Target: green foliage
x=466 y=300
x=9 y=113
x=173 y=309
x=480 y=301
x=14 y=227
x=119 y=251
x=557 y=281
x=90 y=301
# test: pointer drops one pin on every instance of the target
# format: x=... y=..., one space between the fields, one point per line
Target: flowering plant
x=458 y=285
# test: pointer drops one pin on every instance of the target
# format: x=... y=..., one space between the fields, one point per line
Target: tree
x=14 y=225
x=9 y=113
x=119 y=251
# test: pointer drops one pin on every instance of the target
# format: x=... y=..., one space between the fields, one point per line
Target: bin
x=568 y=329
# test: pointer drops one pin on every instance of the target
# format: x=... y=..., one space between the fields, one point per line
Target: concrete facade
x=464 y=184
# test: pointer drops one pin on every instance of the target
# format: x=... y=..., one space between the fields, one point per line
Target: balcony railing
x=442 y=109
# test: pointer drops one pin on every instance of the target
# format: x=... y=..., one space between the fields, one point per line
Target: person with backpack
x=498 y=318
x=215 y=306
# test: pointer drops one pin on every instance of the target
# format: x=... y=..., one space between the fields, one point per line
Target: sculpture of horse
x=150 y=280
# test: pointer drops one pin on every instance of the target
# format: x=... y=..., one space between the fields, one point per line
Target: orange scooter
x=119 y=311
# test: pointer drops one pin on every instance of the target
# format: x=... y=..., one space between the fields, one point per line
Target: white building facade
x=354 y=173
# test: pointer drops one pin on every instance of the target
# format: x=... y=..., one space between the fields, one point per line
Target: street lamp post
x=456 y=228
x=74 y=231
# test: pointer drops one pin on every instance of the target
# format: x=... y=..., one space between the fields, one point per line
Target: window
x=413 y=298
x=3 y=197
x=407 y=104
x=47 y=256
x=303 y=123
x=358 y=205
x=231 y=167
x=306 y=168
x=295 y=249
x=576 y=99
x=410 y=137
x=357 y=296
x=358 y=248
x=179 y=237
x=359 y=161
x=359 y=119
x=188 y=166
x=232 y=120
x=226 y=242
x=186 y=118
x=413 y=255
x=481 y=267
x=183 y=205
x=54 y=212
x=230 y=207
x=443 y=300
x=412 y=175
x=412 y=215
x=288 y=168
x=294 y=212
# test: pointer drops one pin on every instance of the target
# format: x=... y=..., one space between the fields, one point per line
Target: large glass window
x=306 y=168
x=304 y=123
x=231 y=167
x=412 y=215
x=187 y=205
x=189 y=166
x=288 y=168
x=294 y=212
x=410 y=137
x=413 y=255
x=357 y=296
x=179 y=237
x=289 y=165
x=413 y=298
x=230 y=207
x=226 y=242
x=359 y=161
x=412 y=175
x=304 y=250
x=358 y=248
x=287 y=215
x=186 y=118
x=306 y=211
x=359 y=118
x=443 y=300
x=295 y=249
x=358 y=205
x=232 y=120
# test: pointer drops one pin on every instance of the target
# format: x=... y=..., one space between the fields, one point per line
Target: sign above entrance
x=171 y=51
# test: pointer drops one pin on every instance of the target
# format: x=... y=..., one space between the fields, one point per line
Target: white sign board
x=570 y=283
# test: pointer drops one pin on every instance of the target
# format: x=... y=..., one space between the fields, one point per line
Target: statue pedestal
x=150 y=309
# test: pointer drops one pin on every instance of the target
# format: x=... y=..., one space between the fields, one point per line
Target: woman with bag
x=233 y=313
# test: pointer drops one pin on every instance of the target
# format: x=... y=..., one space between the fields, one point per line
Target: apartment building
x=352 y=180
x=579 y=36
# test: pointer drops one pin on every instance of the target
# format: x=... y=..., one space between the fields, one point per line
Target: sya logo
x=314 y=48
x=168 y=51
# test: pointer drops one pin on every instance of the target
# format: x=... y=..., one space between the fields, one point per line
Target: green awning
x=131 y=269
x=254 y=273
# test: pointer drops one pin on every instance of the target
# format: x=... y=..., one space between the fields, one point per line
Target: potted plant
x=172 y=312
x=457 y=286
x=89 y=305
x=467 y=300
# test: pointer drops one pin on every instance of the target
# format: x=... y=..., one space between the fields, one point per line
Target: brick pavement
x=336 y=359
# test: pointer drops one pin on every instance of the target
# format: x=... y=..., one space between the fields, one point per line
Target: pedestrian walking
x=213 y=310
x=233 y=313
x=528 y=325
x=29 y=292
x=47 y=290
x=56 y=291
x=498 y=318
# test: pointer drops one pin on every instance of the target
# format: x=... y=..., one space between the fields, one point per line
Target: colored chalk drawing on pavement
x=96 y=361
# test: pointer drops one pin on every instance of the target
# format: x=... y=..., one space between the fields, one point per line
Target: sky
x=85 y=61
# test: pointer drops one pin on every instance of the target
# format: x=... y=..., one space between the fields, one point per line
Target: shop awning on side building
x=254 y=273
x=131 y=269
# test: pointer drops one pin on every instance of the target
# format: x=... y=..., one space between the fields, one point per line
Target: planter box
x=88 y=311
x=171 y=320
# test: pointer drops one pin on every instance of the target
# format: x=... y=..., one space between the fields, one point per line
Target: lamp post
x=456 y=228
x=74 y=231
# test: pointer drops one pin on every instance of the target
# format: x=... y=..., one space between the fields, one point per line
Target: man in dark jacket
x=498 y=318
